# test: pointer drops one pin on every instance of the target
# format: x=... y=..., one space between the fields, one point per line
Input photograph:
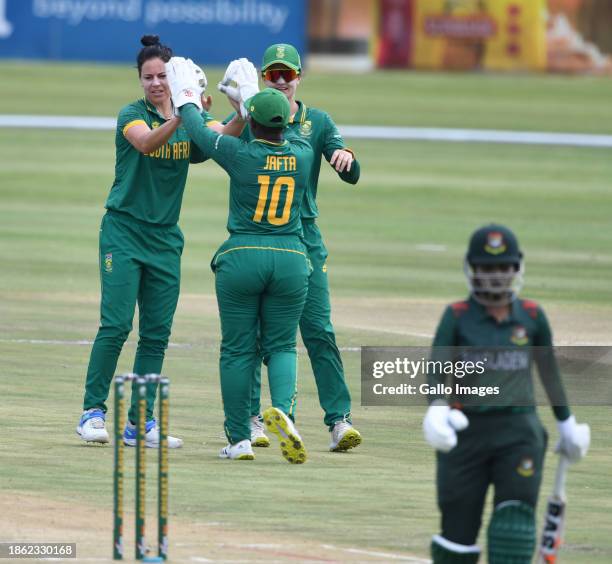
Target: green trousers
x=139 y=262
x=319 y=338
x=505 y=450
x=261 y=284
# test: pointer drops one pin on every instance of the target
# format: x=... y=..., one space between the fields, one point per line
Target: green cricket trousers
x=319 y=338
x=502 y=449
x=139 y=262
x=261 y=283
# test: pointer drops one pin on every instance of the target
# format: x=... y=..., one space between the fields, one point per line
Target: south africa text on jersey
x=177 y=151
x=275 y=162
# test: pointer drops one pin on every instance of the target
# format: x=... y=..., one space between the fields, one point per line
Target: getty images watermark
x=411 y=369
x=518 y=376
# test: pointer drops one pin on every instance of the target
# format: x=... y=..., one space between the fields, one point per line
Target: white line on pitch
x=387 y=555
x=392 y=331
x=170 y=345
x=453 y=135
x=430 y=247
x=300 y=349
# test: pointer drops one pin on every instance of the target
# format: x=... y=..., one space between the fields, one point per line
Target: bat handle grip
x=561 y=474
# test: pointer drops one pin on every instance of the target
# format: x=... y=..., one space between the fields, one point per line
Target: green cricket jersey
x=318 y=128
x=507 y=351
x=268 y=180
x=150 y=187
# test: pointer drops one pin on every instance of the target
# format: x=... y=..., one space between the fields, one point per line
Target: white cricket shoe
x=239 y=451
x=344 y=437
x=258 y=437
x=91 y=427
x=292 y=445
x=151 y=436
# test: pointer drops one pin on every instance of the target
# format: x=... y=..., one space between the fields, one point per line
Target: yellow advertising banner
x=479 y=34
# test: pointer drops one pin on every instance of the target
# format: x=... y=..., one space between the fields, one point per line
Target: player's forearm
x=436 y=378
x=158 y=137
x=435 y=382
x=342 y=159
x=550 y=377
x=233 y=127
x=562 y=412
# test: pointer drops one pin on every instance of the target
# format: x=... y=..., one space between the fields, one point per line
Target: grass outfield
x=396 y=243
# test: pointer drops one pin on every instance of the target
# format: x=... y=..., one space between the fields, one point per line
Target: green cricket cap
x=270 y=108
x=493 y=244
x=282 y=54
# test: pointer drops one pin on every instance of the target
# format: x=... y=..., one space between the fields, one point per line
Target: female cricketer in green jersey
x=140 y=241
x=502 y=444
x=262 y=270
x=281 y=69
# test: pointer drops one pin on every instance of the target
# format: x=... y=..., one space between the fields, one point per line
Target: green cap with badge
x=270 y=108
x=282 y=54
x=493 y=244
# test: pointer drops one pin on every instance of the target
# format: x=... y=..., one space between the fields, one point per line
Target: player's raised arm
x=233 y=127
x=146 y=140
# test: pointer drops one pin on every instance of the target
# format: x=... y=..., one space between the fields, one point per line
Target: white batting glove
x=574 y=440
x=184 y=85
x=441 y=424
x=240 y=82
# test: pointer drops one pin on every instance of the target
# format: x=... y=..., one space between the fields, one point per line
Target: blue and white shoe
x=151 y=436
x=91 y=427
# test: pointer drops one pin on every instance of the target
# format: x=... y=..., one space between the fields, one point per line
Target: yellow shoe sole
x=351 y=439
x=292 y=446
x=261 y=442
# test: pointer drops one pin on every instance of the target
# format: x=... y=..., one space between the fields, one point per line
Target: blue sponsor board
x=208 y=31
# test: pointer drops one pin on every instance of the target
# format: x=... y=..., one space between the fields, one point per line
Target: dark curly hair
x=152 y=49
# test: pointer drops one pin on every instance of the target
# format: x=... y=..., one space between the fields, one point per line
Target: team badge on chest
x=519 y=335
x=108 y=262
x=306 y=129
x=526 y=468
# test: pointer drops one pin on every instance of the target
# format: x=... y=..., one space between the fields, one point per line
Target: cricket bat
x=554 y=519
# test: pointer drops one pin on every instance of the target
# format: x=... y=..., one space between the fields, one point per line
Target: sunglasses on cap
x=274 y=75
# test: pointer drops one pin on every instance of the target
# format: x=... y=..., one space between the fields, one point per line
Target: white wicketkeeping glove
x=199 y=76
x=184 y=86
x=240 y=82
x=574 y=440
x=225 y=85
x=441 y=424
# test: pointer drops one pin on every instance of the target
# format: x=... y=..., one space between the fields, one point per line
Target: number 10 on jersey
x=282 y=182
